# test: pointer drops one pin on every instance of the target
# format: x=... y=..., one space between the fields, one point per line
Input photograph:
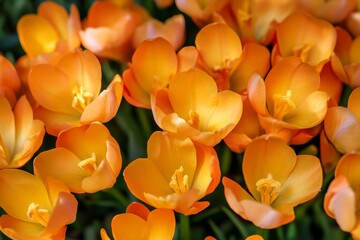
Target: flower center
x=41 y=215
x=89 y=165
x=269 y=189
x=194 y=119
x=81 y=98
x=179 y=181
x=283 y=104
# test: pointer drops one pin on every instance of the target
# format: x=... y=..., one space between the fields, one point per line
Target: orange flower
x=288 y=100
x=86 y=159
x=35 y=210
x=20 y=135
x=9 y=81
x=314 y=46
x=342 y=125
x=200 y=11
x=342 y=197
x=108 y=30
x=47 y=35
x=177 y=173
x=173 y=30
x=277 y=179
x=193 y=107
x=71 y=96
x=154 y=63
x=334 y=11
x=138 y=223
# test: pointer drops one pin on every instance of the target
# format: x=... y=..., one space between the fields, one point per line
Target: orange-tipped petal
x=349 y=166
x=353 y=103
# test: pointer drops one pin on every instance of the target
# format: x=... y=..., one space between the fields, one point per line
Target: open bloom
x=192 y=106
x=289 y=99
x=138 y=223
x=20 y=134
x=9 y=81
x=314 y=46
x=86 y=159
x=277 y=180
x=34 y=210
x=71 y=97
x=342 y=197
x=108 y=30
x=342 y=125
x=154 y=63
x=175 y=175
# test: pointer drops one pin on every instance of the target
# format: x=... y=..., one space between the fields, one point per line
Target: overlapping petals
x=138 y=223
x=20 y=134
x=342 y=197
x=86 y=159
x=277 y=179
x=34 y=210
x=177 y=173
x=193 y=107
x=288 y=99
x=71 y=97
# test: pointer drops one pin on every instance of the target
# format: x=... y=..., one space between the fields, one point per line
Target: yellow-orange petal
x=176 y=150
x=56 y=15
x=173 y=30
x=15 y=183
x=342 y=129
x=19 y=229
x=257 y=94
x=329 y=156
x=105 y=106
x=254 y=58
x=29 y=133
x=61 y=164
x=187 y=58
x=303 y=183
x=254 y=237
x=128 y=226
x=291 y=74
x=265 y=156
x=154 y=63
x=133 y=92
x=30 y=27
x=339 y=203
x=161 y=223
x=138 y=209
x=353 y=103
x=349 y=166
x=7 y=128
x=310 y=112
x=83 y=70
x=55 y=93
x=219 y=46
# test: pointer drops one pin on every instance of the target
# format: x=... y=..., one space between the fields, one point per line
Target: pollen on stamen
x=179 y=181
x=283 y=104
x=81 y=98
x=89 y=165
x=269 y=189
x=38 y=214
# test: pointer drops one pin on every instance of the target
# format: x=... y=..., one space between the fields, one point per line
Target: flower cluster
x=274 y=83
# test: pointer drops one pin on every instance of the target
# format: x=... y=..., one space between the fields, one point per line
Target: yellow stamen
x=283 y=105
x=179 y=182
x=89 y=165
x=194 y=119
x=41 y=215
x=269 y=188
x=81 y=98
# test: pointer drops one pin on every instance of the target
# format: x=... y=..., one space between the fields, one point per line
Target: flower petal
x=349 y=166
x=161 y=223
x=303 y=183
x=264 y=156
